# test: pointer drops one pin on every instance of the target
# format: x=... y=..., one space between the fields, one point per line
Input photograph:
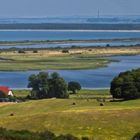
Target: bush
x=65 y=51
x=21 y=51
x=11 y=98
x=66 y=137
x=35 y=51
x=27 y=135
x=47 y=135
x=126 y=85
x=85 y=138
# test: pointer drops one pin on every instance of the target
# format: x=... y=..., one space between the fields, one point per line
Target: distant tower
x=98 y=16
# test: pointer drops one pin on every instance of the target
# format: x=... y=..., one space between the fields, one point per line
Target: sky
x=57 y=8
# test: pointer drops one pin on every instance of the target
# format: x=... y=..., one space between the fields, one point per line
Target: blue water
x=103 y=44
x=75 y=19
x=64 y=35
x=98 y=78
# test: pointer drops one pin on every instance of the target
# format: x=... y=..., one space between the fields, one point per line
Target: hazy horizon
x=63 y=8
x=71 y=16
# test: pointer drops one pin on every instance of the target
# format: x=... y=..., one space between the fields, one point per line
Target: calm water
x=72 y=44
x=99 y=78
x=64 y=35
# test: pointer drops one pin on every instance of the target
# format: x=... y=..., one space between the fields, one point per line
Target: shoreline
x=136 y=41
x=82 y=58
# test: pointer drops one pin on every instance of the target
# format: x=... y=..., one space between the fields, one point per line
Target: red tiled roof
x=5 y=90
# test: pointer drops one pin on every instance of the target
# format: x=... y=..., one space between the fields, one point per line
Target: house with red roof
x=6 y=91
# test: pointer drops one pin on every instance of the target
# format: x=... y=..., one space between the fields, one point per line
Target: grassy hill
x=114 y=120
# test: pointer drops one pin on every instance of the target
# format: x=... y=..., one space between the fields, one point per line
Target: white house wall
x=10 y=93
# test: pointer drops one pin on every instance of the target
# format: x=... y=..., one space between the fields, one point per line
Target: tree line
x=48 y=86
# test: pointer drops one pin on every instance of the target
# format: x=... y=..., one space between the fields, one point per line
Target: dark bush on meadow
x=11 y=98
x=18 y=135
x=66 y=137
x=21 y=51
x=85 y=138
x=35 y=51
x=47 y=135
x=27 y=135
x=126 y=85
x=65 y=51
x=90 y=50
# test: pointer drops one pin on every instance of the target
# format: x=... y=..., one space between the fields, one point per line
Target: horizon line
x=71 y=16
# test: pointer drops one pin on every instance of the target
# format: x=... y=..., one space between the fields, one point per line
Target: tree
x=34 y=84
x=126 y=85
x=43 y=84
x=74 y=86
x=57 y=86
x=45 y=87
x=39 y=85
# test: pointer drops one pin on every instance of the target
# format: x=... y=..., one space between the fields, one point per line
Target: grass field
x=113 y=121
x=82 y=58
x=21 y=93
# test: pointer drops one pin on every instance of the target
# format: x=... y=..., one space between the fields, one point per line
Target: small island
x=61 y=58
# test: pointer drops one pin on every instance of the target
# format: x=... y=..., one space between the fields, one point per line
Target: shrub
x=35 y=51
x=27 y=135
x=65 y=51
x=47 y=135
x=21 y=51
x=85 y=138
x=66 y=137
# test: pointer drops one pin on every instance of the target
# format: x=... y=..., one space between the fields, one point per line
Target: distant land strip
x=35 y=42
x=67 y=26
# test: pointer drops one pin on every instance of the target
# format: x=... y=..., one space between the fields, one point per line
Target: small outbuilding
x=6 y=91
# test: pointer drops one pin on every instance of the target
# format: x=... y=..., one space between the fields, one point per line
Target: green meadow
x=78 y=116
x=45 y=60
x=56 y=59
